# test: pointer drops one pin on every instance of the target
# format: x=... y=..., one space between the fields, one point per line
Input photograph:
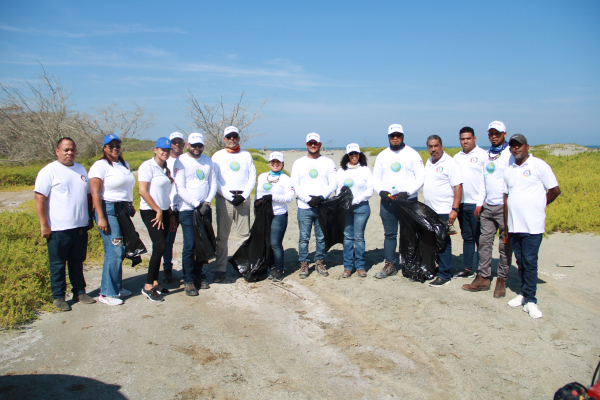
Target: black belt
x=236 y=192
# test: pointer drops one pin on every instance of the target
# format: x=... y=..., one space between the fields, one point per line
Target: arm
x=369 y=190
x=90 y=208
x=288 y=193
x=180 y=181
x=251 y=179
x=505 y=217
x=213 y=185
x=96 y=188
x=552 y=194
x=296 y=183
x=40 y=208
x=419 y=170
x=456 y=203
x=331 y=182
x=143 y=190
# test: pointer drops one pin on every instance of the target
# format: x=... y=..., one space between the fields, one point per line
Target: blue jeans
x=114 y=251
x=67 y=248
x=354 y=235
x=168 y=254
x=190 y=268
x=470 y=230
x=390 y=230
x=445 y=254
x=526 y=248
x=278 y=227
x=306 y=218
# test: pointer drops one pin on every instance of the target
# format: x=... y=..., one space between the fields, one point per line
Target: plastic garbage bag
x=255 y=255
x=134 y=247
x=422 y=237
x=204 y=235
x=332 y=217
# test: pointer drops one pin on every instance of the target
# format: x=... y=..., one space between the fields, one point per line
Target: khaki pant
x=226 y=214
x=492 y=220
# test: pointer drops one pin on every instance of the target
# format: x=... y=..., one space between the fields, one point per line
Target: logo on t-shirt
x=267 y=186
x=527 y=173
x=176 y=171
x=313 y=173
x=491 y=167
x=474 y=160
x=396 y=167
x=200 y=174
x=235 y=166
x=349 y=182
x=83 y=178
x=439 y=170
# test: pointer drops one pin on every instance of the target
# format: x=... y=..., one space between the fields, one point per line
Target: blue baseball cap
x=110 y=138
x=163 y=143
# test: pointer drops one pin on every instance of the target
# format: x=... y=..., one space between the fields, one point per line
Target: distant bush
x=373 y=151
x=254 y=151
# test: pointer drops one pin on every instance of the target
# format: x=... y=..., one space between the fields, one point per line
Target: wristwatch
x=455 y=209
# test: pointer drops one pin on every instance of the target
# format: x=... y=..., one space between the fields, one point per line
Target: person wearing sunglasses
x=196 y=186
x=398 y=171
x=358 y=178
x=277 y=186
x=236 y=177
x=111 y=182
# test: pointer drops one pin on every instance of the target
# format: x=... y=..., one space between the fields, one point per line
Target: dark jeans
x=470 y=229
x=390 y=231
x=445 y=254
x=278 y=227
x=168 y=256
x=190 y=268
x=526 y=248
x=67 y=248
x=159 y=241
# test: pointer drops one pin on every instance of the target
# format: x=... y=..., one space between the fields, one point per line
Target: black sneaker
x=168 y=276
x=277 y=275
x=161 y=289
x=218 y=277
x=190 y=289
x=465 y=273
x=439 y=282
x=152 y=294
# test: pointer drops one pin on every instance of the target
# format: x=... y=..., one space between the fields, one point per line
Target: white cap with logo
x=497 y=125
x=230 y=129
x=352 y=147
x=176 y=135
x=276 y=155
x=313 y=136
x=195 y=138
x=395 y=128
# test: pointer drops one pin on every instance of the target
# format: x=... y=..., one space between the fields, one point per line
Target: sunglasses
x=197 y=145
x=395 y=135
x=113 y=146
x=352 y=153
x=312 y=143
x=232 y=136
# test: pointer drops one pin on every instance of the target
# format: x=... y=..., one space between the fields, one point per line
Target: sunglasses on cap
x=395 y=135
x=197 y=145
x=232 y=136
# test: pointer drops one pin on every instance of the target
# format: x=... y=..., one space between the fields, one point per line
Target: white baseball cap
x=352 y=147
x=313 y=136
x=176 y=135
x=497 y=125
x=276 y=155
x=395 y=128
x=230 y=129
x=195 y=138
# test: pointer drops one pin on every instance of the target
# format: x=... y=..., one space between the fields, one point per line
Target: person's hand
x=385 y=196
x=102 y=224
x=46 y=231
x=477 y=213
x=132 y=212
x=315 y=201
x=173 y=224
x=237 y=200
x=452 y=217
x=158 y=220
x=401 y=195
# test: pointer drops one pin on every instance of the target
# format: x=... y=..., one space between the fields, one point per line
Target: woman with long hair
x=111 y=182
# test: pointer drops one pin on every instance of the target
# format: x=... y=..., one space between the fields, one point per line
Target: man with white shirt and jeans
x=497 y=160
x=236 y=176
x=442 y=190
x=314 y=179
x=529 y=186
x=471 y=161
x=63 y=203
x=398 y=171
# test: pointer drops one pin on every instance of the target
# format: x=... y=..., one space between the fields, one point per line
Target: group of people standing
x=502 y=189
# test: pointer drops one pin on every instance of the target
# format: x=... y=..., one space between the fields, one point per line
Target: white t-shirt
x=493 y=175
x=526 y=186
x=282 y=191
x=358 y=180
x=471 y=168
x=235 y=171
x=440 y=180
x=66 y=190
x=398 y=171
x=118 y=181
x=159 y=186
x=315 y=177
x=174 y=168
x=198 y=182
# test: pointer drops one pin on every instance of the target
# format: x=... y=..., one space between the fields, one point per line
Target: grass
x=255 y=151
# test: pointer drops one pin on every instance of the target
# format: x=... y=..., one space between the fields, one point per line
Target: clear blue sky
x=344 y=69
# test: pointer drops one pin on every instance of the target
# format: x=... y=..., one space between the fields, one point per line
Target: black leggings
x=159 y=242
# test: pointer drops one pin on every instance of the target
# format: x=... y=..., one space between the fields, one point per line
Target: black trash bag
x=255 y=255
x=332 y=217
x=422 y=238
x=134 y=247
x=204 y=235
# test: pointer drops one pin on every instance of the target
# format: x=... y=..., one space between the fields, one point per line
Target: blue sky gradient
x=344 y=69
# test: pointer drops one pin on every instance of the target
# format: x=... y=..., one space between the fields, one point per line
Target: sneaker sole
x=476 y=290
x=443 y=284
x=100 y=299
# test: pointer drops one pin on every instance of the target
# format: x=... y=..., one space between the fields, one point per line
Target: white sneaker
x=533 y=310
x=124 y=293
x=111 y=301
x=516 y=302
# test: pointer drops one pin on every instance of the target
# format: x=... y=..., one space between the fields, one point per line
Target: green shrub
x=255 y=151
x=373 y=151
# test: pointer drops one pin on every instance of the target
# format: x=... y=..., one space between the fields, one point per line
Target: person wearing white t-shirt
x=356 y=176
x=112 y=182
x=64 y=204
x=398 y=171
x=314 y=179
x=492 y=215
x=529 y=186
x=442 y=191
x=278 y=187
x=236 y=177
x=197 y=186
x=155 y=183
x=471 y=160
x=177 y=144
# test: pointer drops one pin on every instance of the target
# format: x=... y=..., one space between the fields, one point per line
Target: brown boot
x=500 y=289
x=389 y=269
x=480 y=283
x=320 y=268
x=303 y=270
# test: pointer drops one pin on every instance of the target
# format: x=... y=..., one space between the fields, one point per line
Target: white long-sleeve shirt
x=358 y=180
x=282 y=191
x=471 y=168
x=235 y=171
x=196 y=183
x=493 y=175
x=399 y=171
x=316 y=177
